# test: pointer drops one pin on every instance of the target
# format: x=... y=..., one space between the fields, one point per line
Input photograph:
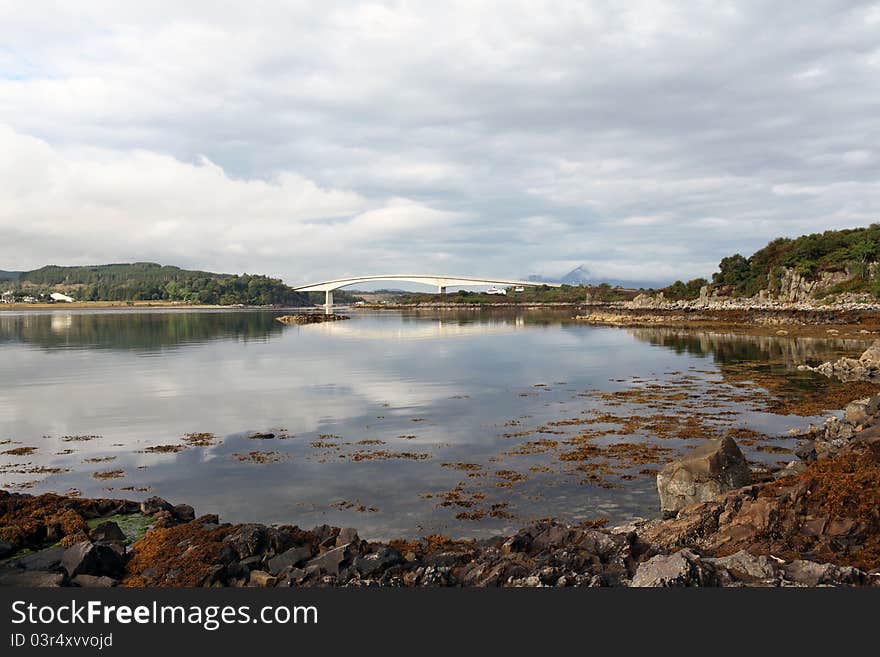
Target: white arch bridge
x=442 y=282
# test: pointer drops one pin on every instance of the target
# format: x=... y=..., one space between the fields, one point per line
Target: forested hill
x=9 y=275
x=853 y=254
x=145 y=281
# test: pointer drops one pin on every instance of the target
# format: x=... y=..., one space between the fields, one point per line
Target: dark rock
x=347 y=535
x=94 y=581
x=325 y=534
x=106 y=532
x=806 y=452
x=684 y=568
x=48 y=559
x=6 y=549
x=153 y=505
x=374 y=562
x=332 y=561
x=31 y=578
x=86 y=558
x=292 y=557
x=711 y=469
x=183 y=512
x=248 y=540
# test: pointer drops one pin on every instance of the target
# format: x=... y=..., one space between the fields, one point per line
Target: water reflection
x=446 y=386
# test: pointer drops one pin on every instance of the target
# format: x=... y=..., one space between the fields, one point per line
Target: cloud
x=500 y=138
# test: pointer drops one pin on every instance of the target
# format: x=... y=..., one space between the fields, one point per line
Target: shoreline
x=811 y=523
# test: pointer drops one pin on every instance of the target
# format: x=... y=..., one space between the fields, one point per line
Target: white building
x=57 y=296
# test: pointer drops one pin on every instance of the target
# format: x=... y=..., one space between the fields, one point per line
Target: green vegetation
x=685 y=291
x=147 y=281
x=852 y=250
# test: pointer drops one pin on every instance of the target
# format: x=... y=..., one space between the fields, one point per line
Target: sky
x=643 y=139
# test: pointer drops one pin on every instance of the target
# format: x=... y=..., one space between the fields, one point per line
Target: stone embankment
x=812 y=523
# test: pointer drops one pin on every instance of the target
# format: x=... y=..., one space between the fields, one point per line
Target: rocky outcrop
x=793 y=287
x=310 y=318
x=711 y=469
x=866 y=367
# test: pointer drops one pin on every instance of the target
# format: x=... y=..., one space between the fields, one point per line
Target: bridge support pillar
x=328 y=302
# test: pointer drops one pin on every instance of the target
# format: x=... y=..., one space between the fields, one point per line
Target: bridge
x=442 y=282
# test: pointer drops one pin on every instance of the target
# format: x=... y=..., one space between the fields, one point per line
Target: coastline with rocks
x=812 y=523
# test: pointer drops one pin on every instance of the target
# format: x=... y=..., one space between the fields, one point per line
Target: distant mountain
x=580 y=275
x=9 y=275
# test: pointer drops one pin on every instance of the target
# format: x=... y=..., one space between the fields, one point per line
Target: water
x=435 y=388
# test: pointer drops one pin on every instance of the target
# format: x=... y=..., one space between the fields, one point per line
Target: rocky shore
x=310 y=318
x=814 y=522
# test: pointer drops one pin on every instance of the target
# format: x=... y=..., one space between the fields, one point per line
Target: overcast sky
x=308 y=140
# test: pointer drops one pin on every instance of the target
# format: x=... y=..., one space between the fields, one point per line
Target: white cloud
x=498 y=138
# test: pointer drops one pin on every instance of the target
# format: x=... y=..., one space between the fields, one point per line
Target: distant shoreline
x=132 y=304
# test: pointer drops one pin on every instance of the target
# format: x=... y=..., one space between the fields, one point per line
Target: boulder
x=261 y=578
x=153 y=505
x=374 y=562
x=711 y=469
x=684 y=568
x=290 y=558
x=107 y=532
x=48 y=559
x=86 y=558
x=871 y=355
x=31 y=579
x=347 y=535
x=94 y=581
x=183 y=512
x=745 y=567
x=809 y=573
x=332 y=561
x=6 y=549
x=248 y=540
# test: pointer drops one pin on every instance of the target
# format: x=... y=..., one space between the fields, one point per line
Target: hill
x=809 y=266
x=144 y=281
x=9 y=275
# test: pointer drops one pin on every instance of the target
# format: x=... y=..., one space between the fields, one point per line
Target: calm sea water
x=434 y=387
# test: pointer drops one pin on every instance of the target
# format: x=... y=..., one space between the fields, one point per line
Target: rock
x=183 y=512
x=261 y=578
x=684 y=568
x=86 y=558
x=809 y=573
x=6 y=549
x=871 y=355
x=94 y=581
x=793 y=469
x=248 y=540
x=31 y=578
x=107 y=532
x=347 y=535
x=856 y=412
x=292 y=557
x=747 y=567
x=374 y=562
x=332 y=561
x=48 y=559
x=153 y=505
x=711 y=469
